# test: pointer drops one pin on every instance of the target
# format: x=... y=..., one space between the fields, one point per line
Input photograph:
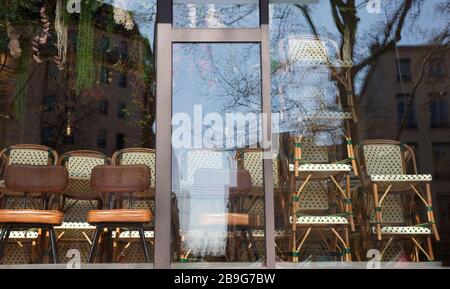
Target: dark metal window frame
x=165 y=36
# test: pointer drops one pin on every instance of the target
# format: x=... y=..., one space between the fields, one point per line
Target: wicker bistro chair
x=139 y=156
x=79 y=196
x=251 y=160
x=211 y=184
x=34 y=180
x=313 y=167
x=23 y=154
x=383 y=166
x=318 y=51
x=113 y=181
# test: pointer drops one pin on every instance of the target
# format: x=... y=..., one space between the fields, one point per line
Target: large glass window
x=349 y=78
x=79 y=78
x=216 y=14
x=215 y=138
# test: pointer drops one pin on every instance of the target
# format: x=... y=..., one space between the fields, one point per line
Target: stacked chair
x=395 y=194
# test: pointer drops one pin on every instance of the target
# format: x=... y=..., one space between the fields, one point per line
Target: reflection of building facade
x=427 y=127
x=105 y=117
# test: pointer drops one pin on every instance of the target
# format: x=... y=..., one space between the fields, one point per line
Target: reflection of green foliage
x=85 y=47
x=19 y=10
x=21 y=84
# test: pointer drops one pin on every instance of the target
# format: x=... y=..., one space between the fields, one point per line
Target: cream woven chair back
x=307 y=49
x=28 y=157
x=141 y=158
x=201 y=159
x=253 y=163
x=383 y=159
x=81 y=167
x=314 y=197
x=391 y=210
x=313 y=153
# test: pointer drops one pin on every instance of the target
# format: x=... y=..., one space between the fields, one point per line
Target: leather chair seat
x=54 y=218
x=231 y=219
x=119 y=216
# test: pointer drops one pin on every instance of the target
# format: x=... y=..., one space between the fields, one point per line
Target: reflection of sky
x=215 y=76
x=143 y=12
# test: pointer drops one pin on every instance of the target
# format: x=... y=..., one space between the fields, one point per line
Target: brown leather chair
x=116 y=181
x=43 y=180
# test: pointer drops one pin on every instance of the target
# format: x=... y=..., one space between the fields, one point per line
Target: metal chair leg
x=53 y=245
x=252 y=241
x=4 y=241
x=94 y=243
x=144 y=245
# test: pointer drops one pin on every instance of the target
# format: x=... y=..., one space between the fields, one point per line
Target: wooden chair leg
x=252 y=242
x=54 y=245
x=93 y=250
x=377 y=211
x=4 y=241
x=430 y=249
x=144 y=245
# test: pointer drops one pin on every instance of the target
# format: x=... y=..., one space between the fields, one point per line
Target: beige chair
x=319 y=180
x=383 y=169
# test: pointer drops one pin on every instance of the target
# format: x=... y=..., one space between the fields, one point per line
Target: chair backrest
x=120 y=179
x=201 y=159
x=81 y=163
x=314 y=153
x=252 y=161
x=384 y=157
x=137 y=156
x=314 y=197
x=308 y=49
x=392 y=210
x=36 y=179
x=29 y=154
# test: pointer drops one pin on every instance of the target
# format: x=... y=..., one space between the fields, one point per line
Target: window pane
x=63 y=75
x=216 y=14
x=217 y=163
x=351 y=81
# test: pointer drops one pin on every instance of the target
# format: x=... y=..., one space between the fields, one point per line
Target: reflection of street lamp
x=212 y=17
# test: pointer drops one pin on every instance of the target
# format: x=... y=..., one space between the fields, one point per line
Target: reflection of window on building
x=120 y=141
x=103 y=107
x=50 y=102
x=437 y=67
x=404 y=69
x=69 y=139
x=123 y=50
x=415 y=148
x=441 y=156
x=47 y=134
x=53 y=71
x=402 y=105
x=104 y=75
x=101 y=138
x=123 y=80
x=438 y=110
x=122 y=109
x=104 y=44
x=443 y=211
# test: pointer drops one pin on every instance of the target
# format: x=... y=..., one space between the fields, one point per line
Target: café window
x=437 y=67
x=403 y=108
x=404 y=69
x=439 y=107
x=441 y=157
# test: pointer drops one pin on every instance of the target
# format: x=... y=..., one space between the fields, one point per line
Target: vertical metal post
x=163 y=132
x=269 y=208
